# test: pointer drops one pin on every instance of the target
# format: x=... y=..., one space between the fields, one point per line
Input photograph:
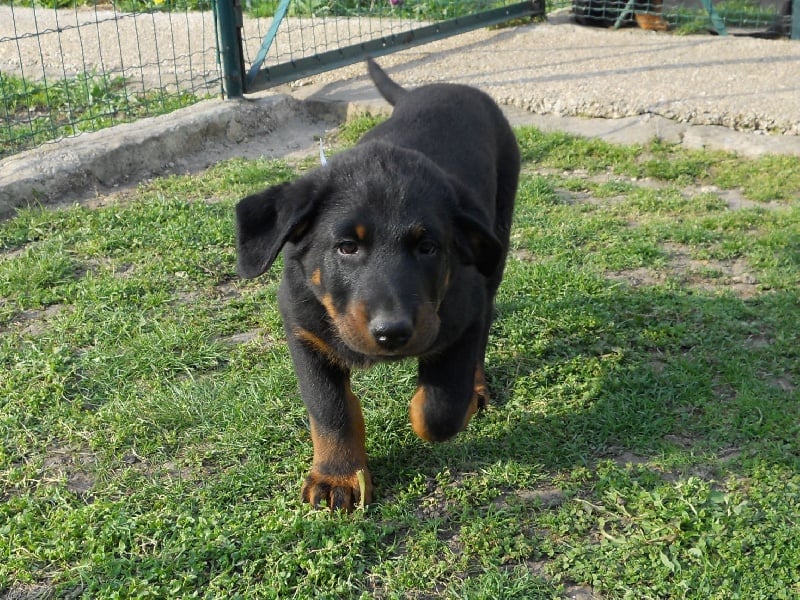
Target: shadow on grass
x=677 y=376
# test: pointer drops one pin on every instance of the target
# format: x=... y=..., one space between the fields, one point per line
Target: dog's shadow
x=636 y=400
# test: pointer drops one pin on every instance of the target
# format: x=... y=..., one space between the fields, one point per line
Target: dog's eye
x=347 y=247
x=427 y=247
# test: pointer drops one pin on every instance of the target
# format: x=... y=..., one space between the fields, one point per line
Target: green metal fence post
x=795 y=34
x=229 y=46
x=716 y=21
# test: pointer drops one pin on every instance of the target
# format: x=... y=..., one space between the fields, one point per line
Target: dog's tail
x=388 y=88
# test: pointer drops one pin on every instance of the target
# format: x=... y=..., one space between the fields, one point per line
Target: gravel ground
x=559 y=68
x=554 y=68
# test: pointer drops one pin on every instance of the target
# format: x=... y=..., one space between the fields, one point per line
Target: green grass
x=643 y=440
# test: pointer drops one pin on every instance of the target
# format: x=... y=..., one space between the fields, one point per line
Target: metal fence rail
x=348 y=31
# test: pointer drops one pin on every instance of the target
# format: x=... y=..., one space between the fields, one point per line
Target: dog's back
x=463 y=131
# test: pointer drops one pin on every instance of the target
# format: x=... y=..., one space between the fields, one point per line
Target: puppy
x=393 y=249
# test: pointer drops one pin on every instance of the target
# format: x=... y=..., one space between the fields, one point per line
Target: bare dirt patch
x=75 y=468
x=735 y=199
x=707 y=275
x=544 y=497
x=248 y=337
x=784 y=384
x=37 y=591
x=35 y=321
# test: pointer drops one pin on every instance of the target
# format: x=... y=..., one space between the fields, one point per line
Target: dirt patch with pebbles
x=708 y=275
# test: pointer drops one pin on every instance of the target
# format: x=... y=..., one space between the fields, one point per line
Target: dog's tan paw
x=338 y=492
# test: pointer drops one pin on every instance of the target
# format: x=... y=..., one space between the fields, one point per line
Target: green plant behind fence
x=71 y=67
x=38 y=112
x=764 y=18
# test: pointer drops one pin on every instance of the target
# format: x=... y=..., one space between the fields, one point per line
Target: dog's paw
x=338 y=492
x=480 y=395
x=480 y=398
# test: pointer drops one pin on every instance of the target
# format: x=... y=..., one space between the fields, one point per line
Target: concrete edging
x=89 y=164
x=130 y=152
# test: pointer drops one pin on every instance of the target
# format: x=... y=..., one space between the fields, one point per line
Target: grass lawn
x=643 y=441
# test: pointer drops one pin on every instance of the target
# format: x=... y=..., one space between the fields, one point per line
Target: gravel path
x=559 y=68
x=555 y=68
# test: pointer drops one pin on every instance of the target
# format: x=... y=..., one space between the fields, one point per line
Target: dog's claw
x=342 y=492
x=481 y=399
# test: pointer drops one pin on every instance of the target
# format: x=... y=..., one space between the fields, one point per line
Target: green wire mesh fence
x=76 y=68
x=345 y=31
x=759 y=18
x=68 y=66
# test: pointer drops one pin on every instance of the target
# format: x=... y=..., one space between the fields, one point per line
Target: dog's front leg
x=337 y=426
x=451 y=387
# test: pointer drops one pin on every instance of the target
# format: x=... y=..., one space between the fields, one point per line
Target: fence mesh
x=344 y=31
x=80 y=68
x=339 y=23
x=772 y=18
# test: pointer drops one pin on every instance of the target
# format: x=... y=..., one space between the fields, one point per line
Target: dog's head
x=377 y=234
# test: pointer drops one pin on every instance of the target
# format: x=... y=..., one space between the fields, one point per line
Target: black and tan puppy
x=393 y=249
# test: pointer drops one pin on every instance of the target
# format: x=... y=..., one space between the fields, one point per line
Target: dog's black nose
x=390 y=335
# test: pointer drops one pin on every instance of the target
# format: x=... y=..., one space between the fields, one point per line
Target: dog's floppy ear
x=477 y=245
x=267 y=220
x=475 y=242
